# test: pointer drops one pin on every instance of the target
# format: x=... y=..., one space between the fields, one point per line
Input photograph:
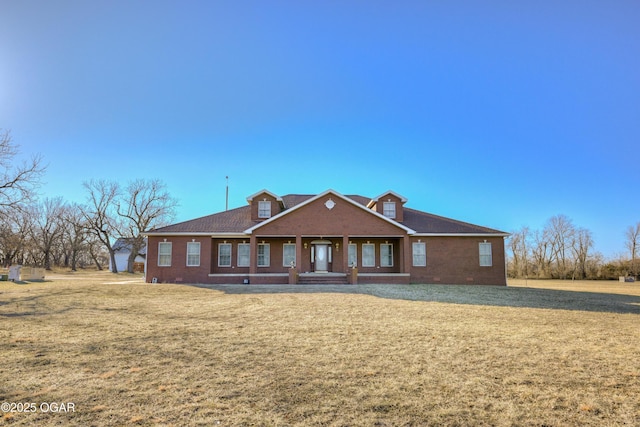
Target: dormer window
x=264 y=209
x=389 y=209
x=389 y=204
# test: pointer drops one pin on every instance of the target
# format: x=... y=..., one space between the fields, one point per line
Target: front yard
x=127 y=353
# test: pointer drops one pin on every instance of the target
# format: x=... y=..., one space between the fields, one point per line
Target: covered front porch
x=331 y=254
x=344 y=259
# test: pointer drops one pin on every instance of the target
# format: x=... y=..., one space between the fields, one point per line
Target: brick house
x=325 y=238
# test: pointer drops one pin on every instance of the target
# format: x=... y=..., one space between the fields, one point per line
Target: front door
x=322 y=252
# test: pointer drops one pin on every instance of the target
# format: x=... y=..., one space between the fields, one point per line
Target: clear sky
x=500 y=113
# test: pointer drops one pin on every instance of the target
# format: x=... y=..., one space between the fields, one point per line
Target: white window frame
x=366 y=261
x=419 y=251
x=389 y=209
x=264 y=258
x=485 y=254
x=353 y=255
x=264 y=209
x=166 y=253
x=386 y=254
x=193 y=254
x=244 y=259
x=229 y=254
x=287 y=258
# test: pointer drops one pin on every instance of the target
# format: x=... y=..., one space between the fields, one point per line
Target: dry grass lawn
x=127 y=353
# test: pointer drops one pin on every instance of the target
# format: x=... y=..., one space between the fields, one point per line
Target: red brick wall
x=178 y=271
x=233 y=269
x=456 y=260
x=450 y=260
x=396 y=268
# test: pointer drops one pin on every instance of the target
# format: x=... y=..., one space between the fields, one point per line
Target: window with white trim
x=353 y=255
x=193 y=254
x=164 y=254
x=486 y=258
x=419 y=254
x=368 y=255
x=264 y=255
x=244 y=254
x=264 y=209
x=224 y=254
x=289 y=254
x=386 y=255
x=389 y=209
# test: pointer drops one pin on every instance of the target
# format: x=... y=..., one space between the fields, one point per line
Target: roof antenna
x=226 y=203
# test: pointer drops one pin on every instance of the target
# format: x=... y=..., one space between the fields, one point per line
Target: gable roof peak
x=263 y=191
x=339 y=196
x=386 y=193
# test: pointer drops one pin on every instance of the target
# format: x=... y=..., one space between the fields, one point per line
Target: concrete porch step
x=323 y=279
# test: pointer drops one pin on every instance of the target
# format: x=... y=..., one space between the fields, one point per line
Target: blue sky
x=498 y=113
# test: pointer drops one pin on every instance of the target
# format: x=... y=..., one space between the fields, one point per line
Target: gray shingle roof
x=231 y=221
x=238 y=220
x=423 y=222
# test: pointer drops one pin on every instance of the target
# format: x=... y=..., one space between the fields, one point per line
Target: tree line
x=54 y=232
x=562 y=250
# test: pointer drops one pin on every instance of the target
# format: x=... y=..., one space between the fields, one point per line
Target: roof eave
x=399 y=196
x=461 y=234
x=264 y=191
x=229 y=234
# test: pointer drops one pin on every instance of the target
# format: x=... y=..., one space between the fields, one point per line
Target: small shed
x=14 y=272
x=122 y=249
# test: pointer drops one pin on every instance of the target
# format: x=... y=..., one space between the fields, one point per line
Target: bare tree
x=561 y=233
x=519 y=245
x=632 y=236
x=582 y=243
x=595 y=265
x=113 y=213
x=75 y=234
x=542 y=253
x=145 y=204
x=96 y=251
x=101 y=215
x=15 y=240
x=48 y=228
x=17 y=181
